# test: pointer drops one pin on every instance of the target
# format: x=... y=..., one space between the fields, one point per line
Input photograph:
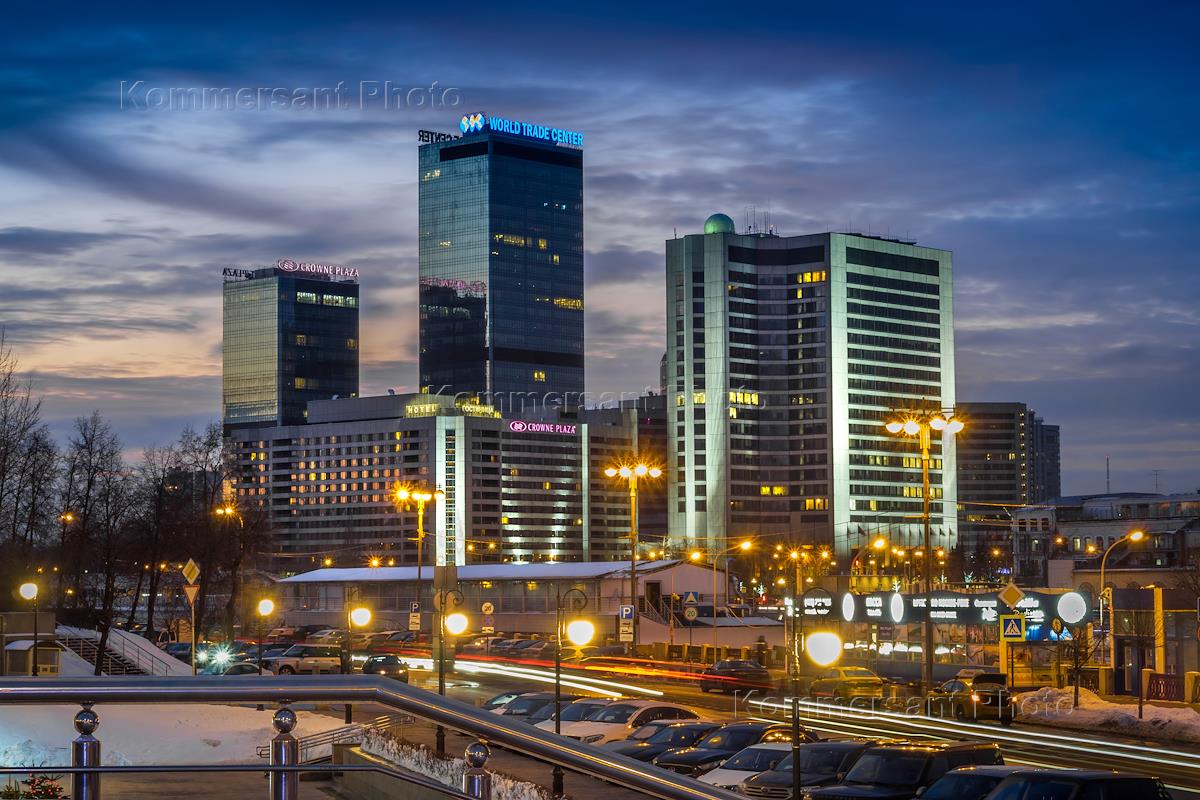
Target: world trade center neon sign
x=473 y=123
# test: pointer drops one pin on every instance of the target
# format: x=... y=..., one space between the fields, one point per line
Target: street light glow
x=745 y=545
x=1136 y=536
x=611 y=472
x=894 y=426
x=823 y=648
x=912 y=427
x=456 y=623
x=696 y=555
x=266 y=607
x=360 y=616
x=28 y=591
x=580 y=632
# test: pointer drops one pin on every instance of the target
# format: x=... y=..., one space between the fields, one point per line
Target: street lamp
x=358 y=617
x=1133 y=536
x=266 y=607
x=744 y=546
x=29 y=591
x=630 y=473
x=419 y=493
x=580 y=632
x=823 y=648
x=921 y=425
x=455 y=624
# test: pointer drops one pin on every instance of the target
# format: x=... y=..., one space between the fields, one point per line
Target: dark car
x=388 y=665
x=500 y=700
x=969 y=782
x=730 y=675
x=983 y=696
x=668 y=737
x=1064 y=783
x=820 y=763
x=569 y=711
x=530 y=703
x=720 y=745
x=899 y=772
x=180 y=650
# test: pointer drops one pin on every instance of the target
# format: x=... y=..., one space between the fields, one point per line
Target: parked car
x=968 y=782
x=983 y=696
x=529 y=703
x=308 y=659
x=180 y=650
x=719 y=745
x=1066 y=783
x=747 y=763
x=664 y=736
x=847 y=683
x=241 y=668
x=499 y=700
x=726 y=676
x=898 y=772
x=572 y=711
x=619 y=719
x=389 y=665
x=820 y=764
x=327 y=636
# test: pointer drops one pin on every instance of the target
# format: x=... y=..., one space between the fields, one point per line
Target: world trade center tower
x=501 y=264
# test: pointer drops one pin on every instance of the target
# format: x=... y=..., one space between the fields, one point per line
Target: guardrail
x=284 y=768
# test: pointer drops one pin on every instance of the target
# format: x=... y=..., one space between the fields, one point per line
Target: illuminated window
x=510 y=238
x=678 y=399
x=698 y=398
x=352 y=344
x=816 y=503
x=546 y=485
x=573 y=303
x=764 y=490
x=541 y=244
x=539 y=375
x=306 y=297
x=431 y=174
x=301 y=338
x=554 y=258
x=300 y=383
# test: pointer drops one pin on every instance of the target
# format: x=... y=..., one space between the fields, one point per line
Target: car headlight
x=595 y=737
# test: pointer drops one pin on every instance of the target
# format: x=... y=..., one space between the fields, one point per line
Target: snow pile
x=40 y=736
x=1050 y=706
x=447 y=771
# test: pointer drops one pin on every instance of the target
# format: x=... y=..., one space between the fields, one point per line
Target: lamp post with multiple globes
x=419 y=494
x=922 y=426
x=631 y=473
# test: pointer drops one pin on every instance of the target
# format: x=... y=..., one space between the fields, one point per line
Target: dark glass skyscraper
x=290 y=336
x=501 y=264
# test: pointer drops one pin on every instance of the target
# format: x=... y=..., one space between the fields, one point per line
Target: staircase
x=125 y=654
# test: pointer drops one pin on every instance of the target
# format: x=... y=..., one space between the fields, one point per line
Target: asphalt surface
x=1033 y=745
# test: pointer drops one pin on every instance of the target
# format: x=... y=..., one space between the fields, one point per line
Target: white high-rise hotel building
x=785 y=357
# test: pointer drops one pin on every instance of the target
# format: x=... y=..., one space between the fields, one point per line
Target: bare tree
x=1077 y=651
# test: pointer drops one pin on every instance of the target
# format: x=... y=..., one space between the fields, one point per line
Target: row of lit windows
x=338 y=300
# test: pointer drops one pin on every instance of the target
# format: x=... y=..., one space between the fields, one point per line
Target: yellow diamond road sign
x=191 y=571
x=1010 y=595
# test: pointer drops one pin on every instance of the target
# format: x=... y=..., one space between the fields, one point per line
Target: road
x=1034 y=745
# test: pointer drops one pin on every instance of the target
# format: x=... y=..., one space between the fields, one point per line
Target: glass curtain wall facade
x=501 y=270
x=287 y=340
x=785 y=357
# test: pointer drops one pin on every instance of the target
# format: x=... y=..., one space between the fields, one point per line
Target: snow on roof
x=542 y=570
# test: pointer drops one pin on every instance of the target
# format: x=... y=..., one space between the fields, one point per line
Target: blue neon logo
x=471 y=123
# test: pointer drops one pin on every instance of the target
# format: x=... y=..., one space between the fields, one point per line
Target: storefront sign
x=521 y=426
x=962 y=608
x=816 y=603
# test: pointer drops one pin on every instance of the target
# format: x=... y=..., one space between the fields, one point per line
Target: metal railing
x=284 y=768
x=132 y=653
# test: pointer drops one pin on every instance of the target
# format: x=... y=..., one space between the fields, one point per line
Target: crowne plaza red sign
x=522 y=426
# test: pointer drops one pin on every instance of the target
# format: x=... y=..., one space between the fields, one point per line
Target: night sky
x=1052 y=147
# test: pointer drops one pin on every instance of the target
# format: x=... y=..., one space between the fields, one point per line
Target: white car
x=308 y=659
x=620 y=719
x=746 y=764
x=576 y=711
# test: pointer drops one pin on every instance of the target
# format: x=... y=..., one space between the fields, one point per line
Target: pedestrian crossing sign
x=1012 y=627
x=690 y=598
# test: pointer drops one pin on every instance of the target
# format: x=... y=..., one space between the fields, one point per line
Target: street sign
x=1012 y=627
x=1010 y=595
x=691 y=598
x=627 y=614
x=414 y=622
x=488 y=609
x=191 y=571
x=414 y=607
x=691 y=613
x=489 y=622
x=191 y=590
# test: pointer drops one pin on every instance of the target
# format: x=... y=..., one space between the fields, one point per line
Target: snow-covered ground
x=1053 y=707
x=145 y=734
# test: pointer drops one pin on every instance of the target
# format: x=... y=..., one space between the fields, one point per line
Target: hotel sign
x=331 y=270
x=522 y=426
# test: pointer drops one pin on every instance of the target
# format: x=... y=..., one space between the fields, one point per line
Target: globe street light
x=921 y=425
x=266 y=607
x=406 y=495
x=1135 y=537
x=630 y=473
x=580 y=632
x=823 y=648
x=29 y=591
x=454 y=623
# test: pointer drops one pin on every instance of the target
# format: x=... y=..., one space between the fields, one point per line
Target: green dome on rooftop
x=718 y=223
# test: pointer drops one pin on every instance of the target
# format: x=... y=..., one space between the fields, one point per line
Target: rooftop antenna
x=1107 y=476
x=1156 y=472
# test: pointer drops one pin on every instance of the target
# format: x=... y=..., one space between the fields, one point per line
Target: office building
x=516 y=489
x=1008 y=457
x=501 y=265
x=785 y=357
x=290 y=335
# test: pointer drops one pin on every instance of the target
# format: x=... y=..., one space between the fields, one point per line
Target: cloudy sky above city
x=1055 y=155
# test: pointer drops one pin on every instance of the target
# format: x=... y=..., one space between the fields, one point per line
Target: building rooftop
x=542 y=570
